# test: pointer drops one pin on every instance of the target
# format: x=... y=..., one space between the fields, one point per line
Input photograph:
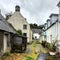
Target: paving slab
x=42 y=56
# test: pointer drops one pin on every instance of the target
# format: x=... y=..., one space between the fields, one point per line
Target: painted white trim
x=5 y=42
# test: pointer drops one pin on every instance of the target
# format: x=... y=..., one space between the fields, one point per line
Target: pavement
x=42 y=56
x=29 y=49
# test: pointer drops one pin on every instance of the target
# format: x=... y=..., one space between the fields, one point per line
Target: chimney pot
x=0 y=11
x=17 y=8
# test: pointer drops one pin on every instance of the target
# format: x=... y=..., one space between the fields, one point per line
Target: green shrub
x=47 y=45
x=29 y=58
x=52 y=47
x=44 y=43
x=6 y=54
x=37 y=42
x=19 y=32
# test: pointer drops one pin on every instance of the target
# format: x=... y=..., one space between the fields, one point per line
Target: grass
x=34 y=54
x=29 y=58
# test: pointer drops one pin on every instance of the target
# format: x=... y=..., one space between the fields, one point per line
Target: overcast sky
x=36 y=11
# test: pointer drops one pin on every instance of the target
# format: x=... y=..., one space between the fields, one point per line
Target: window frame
x=24 y=34
x=24 y=26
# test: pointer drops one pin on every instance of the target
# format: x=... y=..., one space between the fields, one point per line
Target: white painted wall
x=58 y=31
x=53 y=31
x=45 y=25
x=5 y=42
x=53 y=18
x=48 y=23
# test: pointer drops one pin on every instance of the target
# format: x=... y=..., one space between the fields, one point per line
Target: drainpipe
x=0 y=11
x=57 y=29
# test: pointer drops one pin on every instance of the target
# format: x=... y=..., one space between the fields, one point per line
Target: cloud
x=36 y=11
x=39 y=10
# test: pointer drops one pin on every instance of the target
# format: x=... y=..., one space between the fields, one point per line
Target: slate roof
x=48 y=20
x=5 y=26
x=58 y=4
x=53 y=24
x=37 y=30
x=53 y=15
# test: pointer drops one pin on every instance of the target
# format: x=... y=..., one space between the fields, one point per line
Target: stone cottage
x=20 y=23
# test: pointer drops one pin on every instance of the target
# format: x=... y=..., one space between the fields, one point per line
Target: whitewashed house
x=20 y=23
x=37 y=34
x=52 y=29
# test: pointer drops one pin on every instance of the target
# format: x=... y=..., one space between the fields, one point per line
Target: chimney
x=0 y=11
x=17 y=8
x=48 y=22
x=8 y=16
x=59 y=9
x=45 y=25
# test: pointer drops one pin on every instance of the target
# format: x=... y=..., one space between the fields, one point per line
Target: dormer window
x=24 y=26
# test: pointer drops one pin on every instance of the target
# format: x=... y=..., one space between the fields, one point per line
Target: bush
x=47 y=45
x=52 y=47
x=6 y=54
x=37 y=42
x=44 y=43
x=19 y=32
x=29 y=58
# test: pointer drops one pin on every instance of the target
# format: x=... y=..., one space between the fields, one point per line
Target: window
x=24 y=34
x=24 y=26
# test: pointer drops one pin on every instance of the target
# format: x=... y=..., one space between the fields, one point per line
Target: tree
x=19 y=32
x=35 y=26
x=41 y=26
